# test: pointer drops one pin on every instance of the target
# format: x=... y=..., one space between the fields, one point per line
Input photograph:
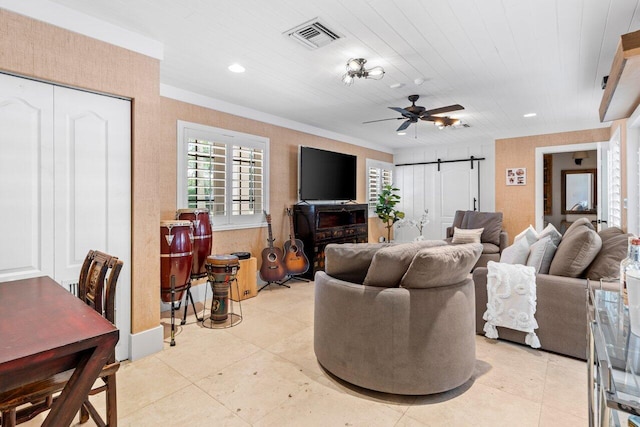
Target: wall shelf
x=622 y=93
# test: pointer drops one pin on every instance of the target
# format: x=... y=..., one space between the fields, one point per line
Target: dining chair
x=97 y=288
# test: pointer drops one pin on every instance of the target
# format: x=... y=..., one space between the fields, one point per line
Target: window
x=615 y=182
x=379 y=174
x=225 y=172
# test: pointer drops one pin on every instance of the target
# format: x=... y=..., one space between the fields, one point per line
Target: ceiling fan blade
x=382 y=120
x=404 y=125
x=429 y=118
x=405 y=113
x=441 y=110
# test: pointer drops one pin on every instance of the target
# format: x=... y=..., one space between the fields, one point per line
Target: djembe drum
x=202 y=238
x=221 y=271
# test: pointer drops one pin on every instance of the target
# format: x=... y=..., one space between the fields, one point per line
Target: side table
x=613 y=361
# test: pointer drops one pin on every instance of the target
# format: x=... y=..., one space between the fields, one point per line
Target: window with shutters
x=223 y=171
x=379 y=174
x=615 y=182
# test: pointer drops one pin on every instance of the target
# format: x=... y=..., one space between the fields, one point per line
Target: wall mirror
x=579 y=193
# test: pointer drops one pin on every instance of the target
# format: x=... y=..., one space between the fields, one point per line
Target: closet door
x=26 y=179
x=93 y=189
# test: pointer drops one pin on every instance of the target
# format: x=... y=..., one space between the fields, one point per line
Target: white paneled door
x=26 y=179
x=65 y=177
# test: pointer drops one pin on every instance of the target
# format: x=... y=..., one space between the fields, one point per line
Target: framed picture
x=516 y=176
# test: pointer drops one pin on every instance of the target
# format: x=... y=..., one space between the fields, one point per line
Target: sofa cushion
x=465 y=218
x=441 y=266
x=490 y=222
x=350 y=261
x=516 y=253
x=462 y=235
x=614 y=249
x=490 y=248
x=541 y=255
x=578 y=248
x=389 y=264
x=457 y=219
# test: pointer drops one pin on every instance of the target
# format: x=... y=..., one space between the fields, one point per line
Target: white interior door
x=93 y=189
x=26 y=178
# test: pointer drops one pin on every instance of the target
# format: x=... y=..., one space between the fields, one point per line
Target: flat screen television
x=326 y=175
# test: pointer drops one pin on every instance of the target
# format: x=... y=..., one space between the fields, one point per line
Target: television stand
x=318 y=225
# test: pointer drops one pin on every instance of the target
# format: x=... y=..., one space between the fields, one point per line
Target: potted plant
x=385 y=208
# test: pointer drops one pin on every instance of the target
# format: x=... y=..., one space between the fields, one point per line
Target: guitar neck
x=292 y=236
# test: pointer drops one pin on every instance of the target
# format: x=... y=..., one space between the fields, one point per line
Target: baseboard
x=146 y=342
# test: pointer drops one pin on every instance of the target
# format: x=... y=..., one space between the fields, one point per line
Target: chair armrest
x=504 y=240
x=449 y=232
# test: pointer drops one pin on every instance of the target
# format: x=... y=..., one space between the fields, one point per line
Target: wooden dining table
x=44 y=331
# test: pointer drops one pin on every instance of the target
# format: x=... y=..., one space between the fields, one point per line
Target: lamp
x=355 y=68
x=578 y=156
x=443 y=122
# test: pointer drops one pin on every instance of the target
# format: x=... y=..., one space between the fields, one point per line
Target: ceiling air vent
x=313 y=34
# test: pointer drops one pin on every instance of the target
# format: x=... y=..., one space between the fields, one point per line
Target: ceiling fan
x=413 y=113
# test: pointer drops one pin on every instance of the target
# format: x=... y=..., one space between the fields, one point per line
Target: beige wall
x=42 y=51
x=284 y=171
x=517 y=203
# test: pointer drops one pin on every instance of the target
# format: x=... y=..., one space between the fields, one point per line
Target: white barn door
x=65 y=185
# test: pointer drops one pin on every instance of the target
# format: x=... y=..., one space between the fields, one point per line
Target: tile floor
x=263 y=372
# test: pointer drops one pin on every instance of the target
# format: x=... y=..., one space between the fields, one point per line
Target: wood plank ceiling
x=498 y=58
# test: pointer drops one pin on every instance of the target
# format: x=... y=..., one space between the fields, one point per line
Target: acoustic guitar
x=272 y=268
x=295 y=260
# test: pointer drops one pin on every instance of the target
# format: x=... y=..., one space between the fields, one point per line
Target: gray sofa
x=561 y=310
x=397 y=318
x=494 y=239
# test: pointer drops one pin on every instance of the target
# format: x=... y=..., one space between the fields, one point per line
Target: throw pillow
x=576 y=251
x=441 y=266
x=582 y=222
x=516 y=253
x=607 y=262
x=389 y=264
x=551 y=232
x=490 y=222
x=461 y=235
x=541 y=255
x=530 y=234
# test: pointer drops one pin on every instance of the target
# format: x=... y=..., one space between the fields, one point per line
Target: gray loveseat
x=561 y=310
x=494 y=239
x=397 y=318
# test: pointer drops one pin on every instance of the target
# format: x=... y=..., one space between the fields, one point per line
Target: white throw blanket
x=511 y=292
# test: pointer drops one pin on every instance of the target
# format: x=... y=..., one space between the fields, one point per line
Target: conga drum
x=176 y=254
x=201 y=237
x=221 y=270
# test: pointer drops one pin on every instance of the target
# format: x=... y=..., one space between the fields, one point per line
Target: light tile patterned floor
x=263 y=372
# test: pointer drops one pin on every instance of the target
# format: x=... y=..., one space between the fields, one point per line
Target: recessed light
x=402 y=133
x=529 y=115
x=236 y=68
x=396 y=85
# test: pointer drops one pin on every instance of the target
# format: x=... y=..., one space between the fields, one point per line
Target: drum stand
x=190 y=298
x=232 y=319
